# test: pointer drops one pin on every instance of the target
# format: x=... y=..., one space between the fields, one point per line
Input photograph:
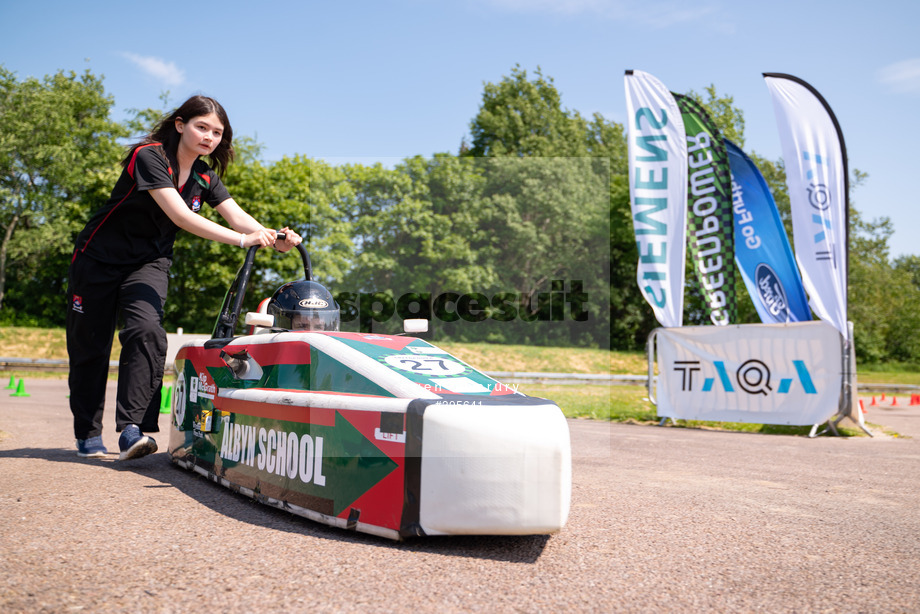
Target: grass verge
x=630 y=404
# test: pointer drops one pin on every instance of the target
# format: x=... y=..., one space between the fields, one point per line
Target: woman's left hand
x=291 y=240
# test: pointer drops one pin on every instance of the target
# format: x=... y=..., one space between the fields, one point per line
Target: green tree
x=904 y=343
x=728 y=118
x=882 y=296
x=910 y=265
x=329 y=230
x=419 y=226
x=549 y=223
x=58 y=160
x=416 y=230
x=524 y=117
x=869 y=298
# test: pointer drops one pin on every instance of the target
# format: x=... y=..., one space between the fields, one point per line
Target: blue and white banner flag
x=816 y=175
x=761 y=246
x=658 y=193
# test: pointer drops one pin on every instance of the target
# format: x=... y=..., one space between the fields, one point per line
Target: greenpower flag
x=710 y=219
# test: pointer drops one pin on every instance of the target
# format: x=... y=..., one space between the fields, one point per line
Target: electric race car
x=383 y=434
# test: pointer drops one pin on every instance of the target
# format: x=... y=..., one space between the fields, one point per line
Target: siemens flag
x=658 y=193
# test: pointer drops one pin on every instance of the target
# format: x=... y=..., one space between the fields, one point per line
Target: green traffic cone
x=12 y=384
x=166 y=399
x=21 y=390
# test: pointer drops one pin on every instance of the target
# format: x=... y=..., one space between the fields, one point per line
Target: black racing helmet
x=304 y=305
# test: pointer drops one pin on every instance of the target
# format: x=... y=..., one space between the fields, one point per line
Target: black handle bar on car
x=226 y=321
x=304 y=255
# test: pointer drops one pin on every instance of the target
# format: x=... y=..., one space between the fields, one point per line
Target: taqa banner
x=762 y=247
x=816 y=175
x=752 y=373
x=658 y=193
x=710 y=224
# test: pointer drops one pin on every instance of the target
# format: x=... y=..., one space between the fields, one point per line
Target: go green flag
x=710 y=219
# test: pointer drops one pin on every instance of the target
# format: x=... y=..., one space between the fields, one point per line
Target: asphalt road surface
x=663 y=519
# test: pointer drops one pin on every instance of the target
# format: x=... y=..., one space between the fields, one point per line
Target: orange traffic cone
x=861 y=406
x=873 y=402
x=894 y=401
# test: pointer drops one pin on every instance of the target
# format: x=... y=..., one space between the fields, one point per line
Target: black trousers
x=100 y=295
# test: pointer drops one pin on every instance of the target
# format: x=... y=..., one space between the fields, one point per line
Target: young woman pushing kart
x=121 y=262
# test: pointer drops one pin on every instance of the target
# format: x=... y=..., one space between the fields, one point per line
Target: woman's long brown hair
x=165 y=133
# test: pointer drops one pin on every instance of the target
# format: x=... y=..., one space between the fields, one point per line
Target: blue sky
x=382 y=81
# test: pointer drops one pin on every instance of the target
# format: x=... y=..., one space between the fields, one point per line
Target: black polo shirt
x=131 y=228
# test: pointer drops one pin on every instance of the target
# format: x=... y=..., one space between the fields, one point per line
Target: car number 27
x=427 y=365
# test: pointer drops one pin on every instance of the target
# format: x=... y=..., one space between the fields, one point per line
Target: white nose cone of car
x=495 y=469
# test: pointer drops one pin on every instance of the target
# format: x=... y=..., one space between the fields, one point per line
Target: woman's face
x=201 y=135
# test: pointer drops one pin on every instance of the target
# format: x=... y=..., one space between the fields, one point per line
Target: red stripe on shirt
x=130 y=169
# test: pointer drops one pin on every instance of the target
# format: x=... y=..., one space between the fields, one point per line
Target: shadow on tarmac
x=516 y=549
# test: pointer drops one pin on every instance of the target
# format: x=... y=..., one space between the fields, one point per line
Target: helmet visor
x=315 y=320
